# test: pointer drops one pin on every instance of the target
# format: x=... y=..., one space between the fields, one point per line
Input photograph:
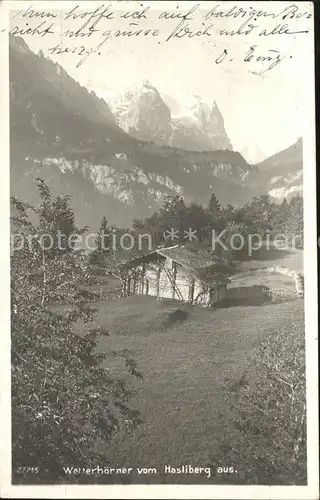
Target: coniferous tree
x=63 y=401
x=103 y=244
x=214 y=206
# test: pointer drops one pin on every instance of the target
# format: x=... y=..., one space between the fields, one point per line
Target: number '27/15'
x=26 y=470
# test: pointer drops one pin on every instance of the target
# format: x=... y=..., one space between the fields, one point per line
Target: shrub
x=268 y=442
x=62 y=398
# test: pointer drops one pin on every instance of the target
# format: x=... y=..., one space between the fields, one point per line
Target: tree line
x=63 y=400
x=262 y=217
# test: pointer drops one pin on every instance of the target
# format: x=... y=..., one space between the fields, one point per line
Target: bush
x=268 y=442
x=63 y=401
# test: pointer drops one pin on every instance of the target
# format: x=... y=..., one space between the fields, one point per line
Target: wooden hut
x=177 y=273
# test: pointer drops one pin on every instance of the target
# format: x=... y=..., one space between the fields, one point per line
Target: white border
x=311 y=323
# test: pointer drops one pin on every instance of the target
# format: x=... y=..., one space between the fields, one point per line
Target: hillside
x=282 y=173
x=67 y=135
x=55 y=134
x=55 y=81
x=187 y=368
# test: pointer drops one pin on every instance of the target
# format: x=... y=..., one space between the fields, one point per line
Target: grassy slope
x=186 y=367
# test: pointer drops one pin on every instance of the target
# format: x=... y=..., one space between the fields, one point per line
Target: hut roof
x=199 y=262
x=194 y=260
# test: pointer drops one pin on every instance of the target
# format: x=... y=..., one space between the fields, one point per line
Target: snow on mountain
x=64 y=134
x=141 y=112
x=187 y=105
x=184 y=121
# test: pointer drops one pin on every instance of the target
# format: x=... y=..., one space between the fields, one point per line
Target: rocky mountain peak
x=141 y=111
x=200 y=111
x=186 y=121
x=59 y=132
x=216 y=118
x=18 y=44
x=215 y=128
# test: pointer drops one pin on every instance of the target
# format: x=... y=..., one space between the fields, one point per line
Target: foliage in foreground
x=268 y=443
x=63 y=401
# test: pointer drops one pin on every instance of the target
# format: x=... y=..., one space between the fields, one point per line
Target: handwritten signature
x=223 y=21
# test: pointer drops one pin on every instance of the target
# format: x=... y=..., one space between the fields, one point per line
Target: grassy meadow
x=189 y=358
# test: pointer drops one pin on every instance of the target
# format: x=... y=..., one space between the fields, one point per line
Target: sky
x=263 y=112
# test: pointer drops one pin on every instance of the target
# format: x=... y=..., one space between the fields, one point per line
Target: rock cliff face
x=146 y=114
x=69 y=136
x=142 y=113
x=201 y=129
x=54 y=80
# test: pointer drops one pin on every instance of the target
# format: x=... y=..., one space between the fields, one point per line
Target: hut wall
x=170 y=280
x=134 y=284
x=183 y=284
x=165 y=286
x=151 y=278
x=222 y=292
x=197 y=289
x=218 y=293
x=175 y=282
x=210 y=297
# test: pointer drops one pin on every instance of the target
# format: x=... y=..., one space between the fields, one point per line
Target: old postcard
x=158 y=250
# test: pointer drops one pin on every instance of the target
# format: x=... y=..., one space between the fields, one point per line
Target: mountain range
x=146 y=114
x=121 y=159
x=281 y=174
